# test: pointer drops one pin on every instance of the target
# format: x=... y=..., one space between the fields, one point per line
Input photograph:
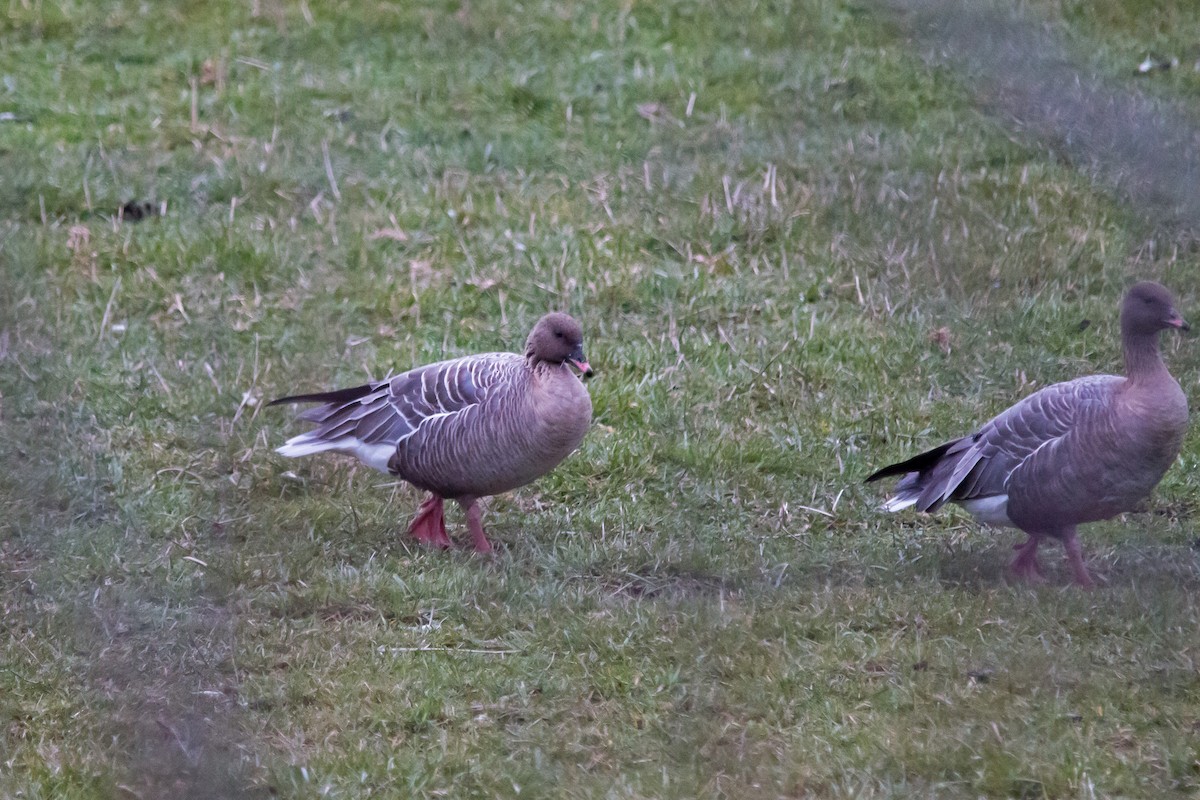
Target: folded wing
x=984 y=465
x=372 y=420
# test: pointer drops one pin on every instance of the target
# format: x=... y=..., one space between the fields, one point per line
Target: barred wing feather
x=983 y=464
x=372 y=420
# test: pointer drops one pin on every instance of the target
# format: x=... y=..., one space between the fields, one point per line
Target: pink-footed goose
x=462 y=429
x=1074 y=452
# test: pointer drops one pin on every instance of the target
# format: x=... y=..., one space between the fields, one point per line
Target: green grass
x=761 y=216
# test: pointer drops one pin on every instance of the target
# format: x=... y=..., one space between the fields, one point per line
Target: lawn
x=804 y=238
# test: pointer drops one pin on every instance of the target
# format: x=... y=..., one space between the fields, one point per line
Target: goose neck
x=1143 y=361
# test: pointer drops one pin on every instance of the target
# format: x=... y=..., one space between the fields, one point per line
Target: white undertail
x=373 y=455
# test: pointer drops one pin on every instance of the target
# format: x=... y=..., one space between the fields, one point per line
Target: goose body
x=1074 y=452
x=461 y=429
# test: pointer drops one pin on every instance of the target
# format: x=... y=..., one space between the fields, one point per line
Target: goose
x=1074 y=452
x=461 y=429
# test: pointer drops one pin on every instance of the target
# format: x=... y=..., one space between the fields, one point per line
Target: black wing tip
x=296 y=398
x=337 y=396
x=900 y=468
x=876 y=475
x=922 y=462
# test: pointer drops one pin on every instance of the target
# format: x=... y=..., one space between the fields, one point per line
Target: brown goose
x=461 y=429
x=1071 y=453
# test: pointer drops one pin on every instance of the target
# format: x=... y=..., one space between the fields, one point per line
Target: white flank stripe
x=373 y=455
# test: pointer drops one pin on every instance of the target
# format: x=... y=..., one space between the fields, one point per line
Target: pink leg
x=1025 y=566
x=429 y=526
x=1075 y=558
x=475 y=525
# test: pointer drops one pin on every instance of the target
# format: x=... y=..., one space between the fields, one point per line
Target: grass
x=800 y=247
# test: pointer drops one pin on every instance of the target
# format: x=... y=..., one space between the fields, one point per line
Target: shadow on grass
x=661 y=582
x=147 y=677
x=170 y=693
x=985 y=566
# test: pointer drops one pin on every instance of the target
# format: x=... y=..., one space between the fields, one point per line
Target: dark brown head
x=1148 y=309
x=557 y=338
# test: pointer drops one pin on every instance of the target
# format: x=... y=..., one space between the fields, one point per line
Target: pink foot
x=1025 y=566
x=475 y=525
x=429 y=526
x=1075 y=559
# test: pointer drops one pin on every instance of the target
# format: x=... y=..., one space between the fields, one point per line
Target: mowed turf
x=801 y=244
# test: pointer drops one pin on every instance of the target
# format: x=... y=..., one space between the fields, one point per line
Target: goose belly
x=1110 y=482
